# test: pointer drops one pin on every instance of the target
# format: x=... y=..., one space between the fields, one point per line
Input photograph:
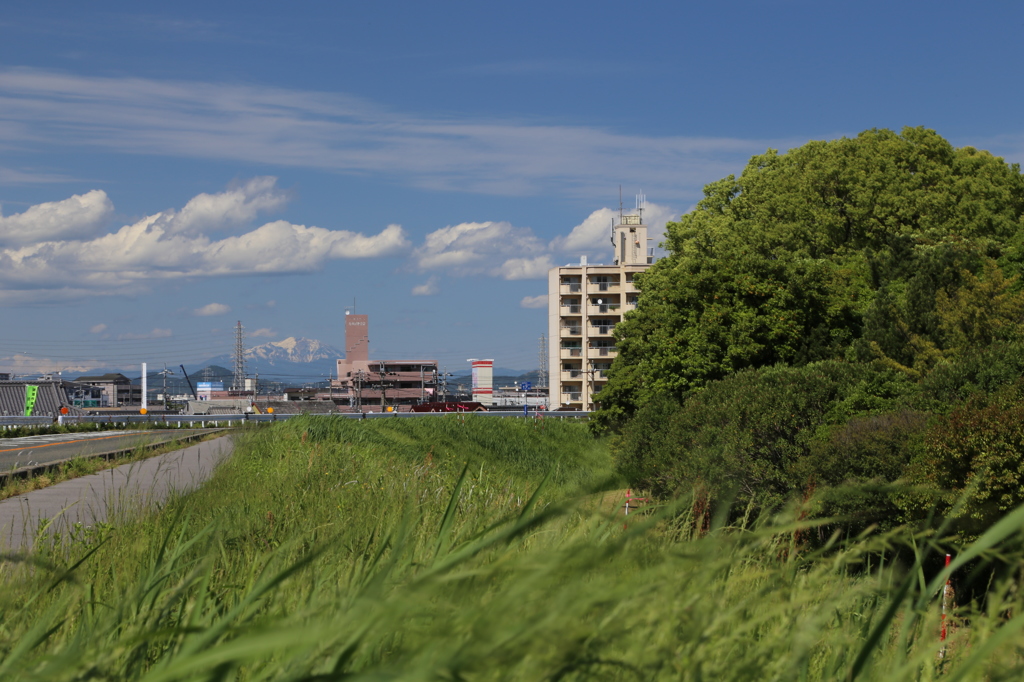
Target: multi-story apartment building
x=585 y=302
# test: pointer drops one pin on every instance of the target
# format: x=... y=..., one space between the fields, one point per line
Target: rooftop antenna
x=620 y=204
x=641 y=202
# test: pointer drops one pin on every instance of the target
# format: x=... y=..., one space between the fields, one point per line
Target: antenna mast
x=239 y=383
x=641 y=202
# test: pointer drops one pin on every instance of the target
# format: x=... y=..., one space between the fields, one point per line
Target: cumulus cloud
x=169 y=245
x=526 y=268
x=211 y=309
x=78 y=216
x=500 y=249
x=534 y=301
x=476 y=248
x=155 y=334
x=97 y=328
x=593 y=235
x=22 y=363
x=236 y=206
x=428 y=288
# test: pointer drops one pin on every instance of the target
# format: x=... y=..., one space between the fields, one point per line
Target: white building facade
x=585 y=302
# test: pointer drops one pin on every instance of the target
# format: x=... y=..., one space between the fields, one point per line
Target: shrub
x=751 y=432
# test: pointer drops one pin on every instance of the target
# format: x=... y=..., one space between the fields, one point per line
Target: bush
x=973 y=462
x=752 y=432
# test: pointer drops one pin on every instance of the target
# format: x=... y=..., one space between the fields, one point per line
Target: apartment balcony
x=566 y=353
x=572 y=288
x=570 y=331
x=572 y=375
x=602 y=352
x=603 y=309
x=575 y=309
x=569 y=398
x=601 y=287
x=602 y=330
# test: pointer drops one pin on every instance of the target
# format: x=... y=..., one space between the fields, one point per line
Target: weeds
x=448 y=550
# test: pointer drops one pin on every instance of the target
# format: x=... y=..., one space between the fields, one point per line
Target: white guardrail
x=204 y=420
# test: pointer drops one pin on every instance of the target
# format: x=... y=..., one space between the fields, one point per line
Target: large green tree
x=837 y=249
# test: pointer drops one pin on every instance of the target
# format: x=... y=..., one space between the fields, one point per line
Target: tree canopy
x=894 y=248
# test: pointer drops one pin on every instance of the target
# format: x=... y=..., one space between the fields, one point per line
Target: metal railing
x=228 y=420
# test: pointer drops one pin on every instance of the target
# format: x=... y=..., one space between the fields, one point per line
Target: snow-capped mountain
x=292 y=350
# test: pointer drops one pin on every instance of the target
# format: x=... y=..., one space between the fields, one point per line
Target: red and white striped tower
x=483 y=381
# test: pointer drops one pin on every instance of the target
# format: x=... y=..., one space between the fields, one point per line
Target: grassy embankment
x=456 y=549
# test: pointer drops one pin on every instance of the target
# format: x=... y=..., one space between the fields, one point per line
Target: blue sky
x=166 y=171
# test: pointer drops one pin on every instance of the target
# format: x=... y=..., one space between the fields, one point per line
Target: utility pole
x=444 y=383
x=359 y=390
x=165 y=373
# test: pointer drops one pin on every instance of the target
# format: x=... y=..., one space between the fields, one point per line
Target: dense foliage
x=887 y=246
x=842 y=322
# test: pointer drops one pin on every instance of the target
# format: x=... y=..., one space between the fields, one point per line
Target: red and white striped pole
x=947 y=598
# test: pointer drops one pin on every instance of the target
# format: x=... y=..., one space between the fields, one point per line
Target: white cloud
x=475 y=248
x=212 y=309
x=155 y=334
x=236 y=206
x=261 y=333
x=169 y=245
x=499 y=249
x=428 y=288
x=97 y=328
x=331 y=131
x=534 y=301
x=593 y=235
x=526 y=268
x=590 y=235
x=78 y=216
x=23 y=363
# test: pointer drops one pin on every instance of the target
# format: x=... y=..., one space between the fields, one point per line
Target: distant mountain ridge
x=294 y=350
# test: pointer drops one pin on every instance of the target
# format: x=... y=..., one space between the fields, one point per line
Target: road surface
x=108 y=495
x=16 y=453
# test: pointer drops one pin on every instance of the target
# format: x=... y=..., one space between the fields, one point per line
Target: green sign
x=30 y=399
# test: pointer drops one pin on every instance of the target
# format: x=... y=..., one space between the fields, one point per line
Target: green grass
x=467 y=549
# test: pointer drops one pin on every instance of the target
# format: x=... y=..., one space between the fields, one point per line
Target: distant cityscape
x=585 y=303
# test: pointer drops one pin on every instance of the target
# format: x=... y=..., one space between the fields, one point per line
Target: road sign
x=526 y=386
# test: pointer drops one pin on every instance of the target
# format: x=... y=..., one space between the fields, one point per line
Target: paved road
x=31 y=450
x=108 y=494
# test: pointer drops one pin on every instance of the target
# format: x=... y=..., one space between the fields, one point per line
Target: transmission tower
x=239 y=382
x=542 y=378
